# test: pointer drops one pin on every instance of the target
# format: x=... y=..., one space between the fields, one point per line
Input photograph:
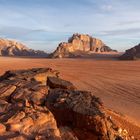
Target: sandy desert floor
x=117 y=83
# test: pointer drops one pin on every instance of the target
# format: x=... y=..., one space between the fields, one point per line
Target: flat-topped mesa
x=81 y=43
x=131 y=54
x=14 y=48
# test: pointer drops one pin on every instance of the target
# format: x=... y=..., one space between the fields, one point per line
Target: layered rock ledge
x=36 y=104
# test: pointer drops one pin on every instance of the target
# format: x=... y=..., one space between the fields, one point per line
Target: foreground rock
x=131 y=54
x=37 y=104
x=54 y=82
x=13 y=48
x=79 y=44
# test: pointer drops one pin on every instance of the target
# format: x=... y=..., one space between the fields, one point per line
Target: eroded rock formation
x=37 y=104
x=131 y=54
x=79 y=43
x=13 y=48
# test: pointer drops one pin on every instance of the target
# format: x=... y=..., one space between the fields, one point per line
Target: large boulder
x=79 y=44
x=131 y=54
x=82 y=110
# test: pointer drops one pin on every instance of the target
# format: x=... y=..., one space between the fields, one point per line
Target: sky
x=43 y=24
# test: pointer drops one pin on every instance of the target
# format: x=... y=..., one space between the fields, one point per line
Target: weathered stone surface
x=3 y=105
x=13 y=48
x=35 y=74
x=67 y=134
x=22 y=95
x=80 y=109
x=7 y=91
x=131 y=54
x=38 y=97
x=55 y=82
x=32 y=122
x=79 y=43
x=2 y=128
x=37 y=104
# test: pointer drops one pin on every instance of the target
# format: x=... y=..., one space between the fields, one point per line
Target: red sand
x=117 y=83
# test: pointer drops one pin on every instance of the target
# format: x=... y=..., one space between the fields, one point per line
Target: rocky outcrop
x=54 y=82
x=78 y=44
x=131 y=54
x=13 y=48
x=37 y=104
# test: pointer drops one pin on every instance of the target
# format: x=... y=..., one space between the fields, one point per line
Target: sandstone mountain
x=131 y=54
x=79 y=44
x=13 y=48
x=37 y=104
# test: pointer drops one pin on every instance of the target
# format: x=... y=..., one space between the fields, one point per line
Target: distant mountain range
x=14 y=48
x=79 y=45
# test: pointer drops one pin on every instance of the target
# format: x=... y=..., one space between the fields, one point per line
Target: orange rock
x=2 y=128
x=80 y=43
x=14 y=48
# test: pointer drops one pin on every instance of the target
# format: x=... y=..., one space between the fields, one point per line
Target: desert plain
x=117 y=83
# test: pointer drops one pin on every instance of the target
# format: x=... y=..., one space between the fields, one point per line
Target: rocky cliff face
x=37 y=104
x=80 y=43
x=13 y=48
x=131 y=54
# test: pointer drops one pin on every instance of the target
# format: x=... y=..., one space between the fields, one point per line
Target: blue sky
x=42 y=24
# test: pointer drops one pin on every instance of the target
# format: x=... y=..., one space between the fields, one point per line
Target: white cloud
x=107 y=8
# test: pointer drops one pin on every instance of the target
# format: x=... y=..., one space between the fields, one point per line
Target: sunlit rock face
x=81 y=43
x=131 y=54
x=36 y=104
x=13 y=48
